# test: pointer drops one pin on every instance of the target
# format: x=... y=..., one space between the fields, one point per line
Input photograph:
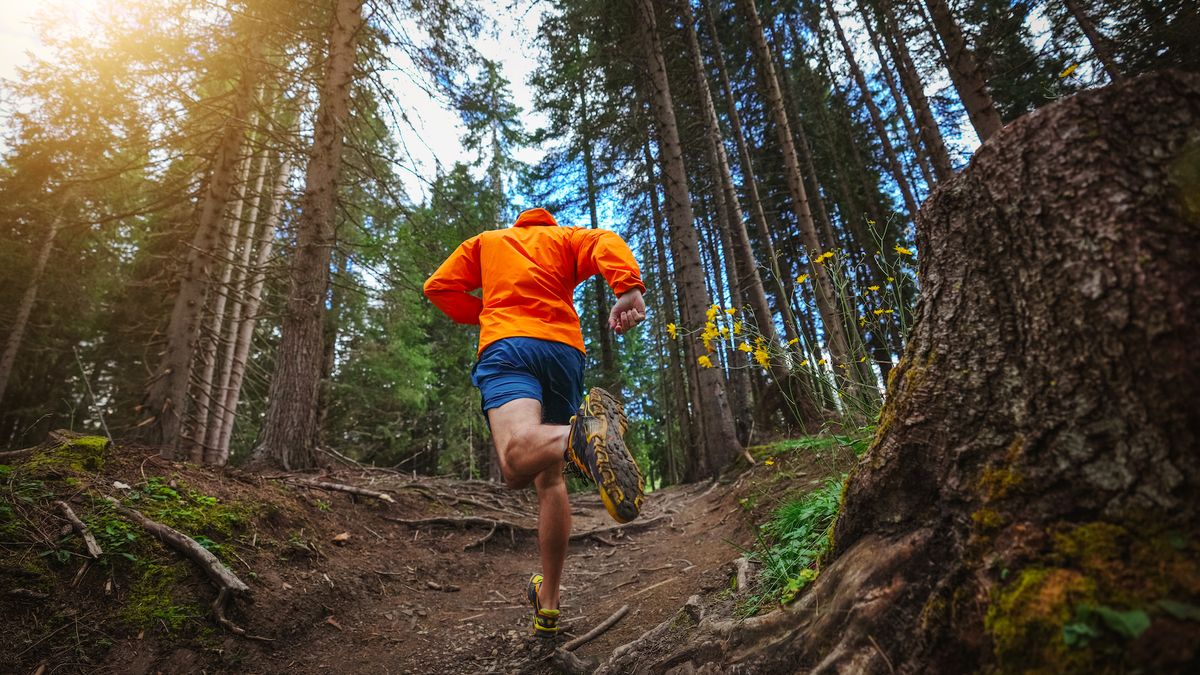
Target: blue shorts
x=522 y=367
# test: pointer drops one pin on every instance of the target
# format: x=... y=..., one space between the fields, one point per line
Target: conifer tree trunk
x=730 y=218
x=249 y=319
x=689 y=437
x=1100 y=44
x=965 y=72
x=192 y=441
x=216 y=419
x=289 y=431
x=17 y=334
x=826 y=294
x=914 y=89
x=721 y=443
x=164 y=405
x=750 y=185
x=893 y=160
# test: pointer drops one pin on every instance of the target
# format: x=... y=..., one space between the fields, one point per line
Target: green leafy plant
x=791 y=543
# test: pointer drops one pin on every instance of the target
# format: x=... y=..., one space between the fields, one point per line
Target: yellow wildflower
x=671 y=330
x=1067 y=73
x=770 y=462
x=763 y=358
x=870 y=222
x=724 y=332
x=821 y=362
x=823 y=257
x=704 y=361
x=862 y=320
x=712 y=312
x=793 y=341
x=737 y=327
x=745 y=347
x=802 y=278
x=759 y=341
x=903 y=251
x=731 y=311
x=872 y=288
x=804 y=363
x=862 y=359
x=891 y=279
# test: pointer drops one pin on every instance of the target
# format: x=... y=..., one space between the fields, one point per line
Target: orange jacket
x=528 y=273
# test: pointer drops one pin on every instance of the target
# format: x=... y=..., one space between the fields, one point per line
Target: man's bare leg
x=530 y=451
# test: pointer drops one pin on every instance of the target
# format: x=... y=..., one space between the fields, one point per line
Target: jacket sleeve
x=606 y=253
x=449 y=287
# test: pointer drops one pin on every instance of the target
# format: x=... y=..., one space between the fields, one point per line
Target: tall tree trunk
x=1101 y=45
x=192 y=440
x=216 y=419
x=965 y=72
x=826 y=294
x=914 y=89
x=893 y=160
x=162 y=409
x=1029 y=502
x=910 y=133
x=750 y=185
x=21 y=320
x=245 y=336
x=689 y=441
x=721 y=443
x=289 y=431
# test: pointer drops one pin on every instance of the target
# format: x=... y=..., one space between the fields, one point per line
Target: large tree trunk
x=17 y=333
x=1037 y=456
x=162 y=409
x=965 y=72
x=289 y=432
x=721 y=444
x=826 y=293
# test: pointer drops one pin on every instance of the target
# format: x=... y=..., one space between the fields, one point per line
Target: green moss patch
x=152 y=600
x=77 y=456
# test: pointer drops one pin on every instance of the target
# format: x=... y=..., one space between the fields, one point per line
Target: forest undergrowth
x=418 y=573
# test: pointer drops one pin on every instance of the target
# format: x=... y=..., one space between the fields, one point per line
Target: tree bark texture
x=721 y=444
x=289 y=431
x=1037 y=454
x=166 y=393
x=969 y=80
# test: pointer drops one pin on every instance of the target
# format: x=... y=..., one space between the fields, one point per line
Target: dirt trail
x=338 y=583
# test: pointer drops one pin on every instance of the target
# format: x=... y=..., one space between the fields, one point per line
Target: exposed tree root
x=493 y=523
x=93 y=547
x=342 y=487
x=228 y=584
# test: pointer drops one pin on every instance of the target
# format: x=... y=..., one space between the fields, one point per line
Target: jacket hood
x=535 y=217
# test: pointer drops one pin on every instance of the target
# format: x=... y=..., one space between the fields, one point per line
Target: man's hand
x=629 y=311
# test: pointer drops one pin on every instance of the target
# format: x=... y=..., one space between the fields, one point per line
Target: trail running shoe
x=596 y=445
x=545 y=621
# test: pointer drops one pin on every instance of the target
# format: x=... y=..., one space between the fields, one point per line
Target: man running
x=530 y=371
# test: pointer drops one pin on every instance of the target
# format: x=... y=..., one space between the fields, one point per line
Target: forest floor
x=337 y=582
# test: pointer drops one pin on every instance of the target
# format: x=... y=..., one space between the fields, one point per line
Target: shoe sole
x=618 y=476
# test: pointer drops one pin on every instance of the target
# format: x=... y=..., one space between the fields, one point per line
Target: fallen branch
x=493 y=523
x=93 y=547
x=482 y=539
x=596 y=632
x=351 y=489
x=228 y=584
x=15 y=454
